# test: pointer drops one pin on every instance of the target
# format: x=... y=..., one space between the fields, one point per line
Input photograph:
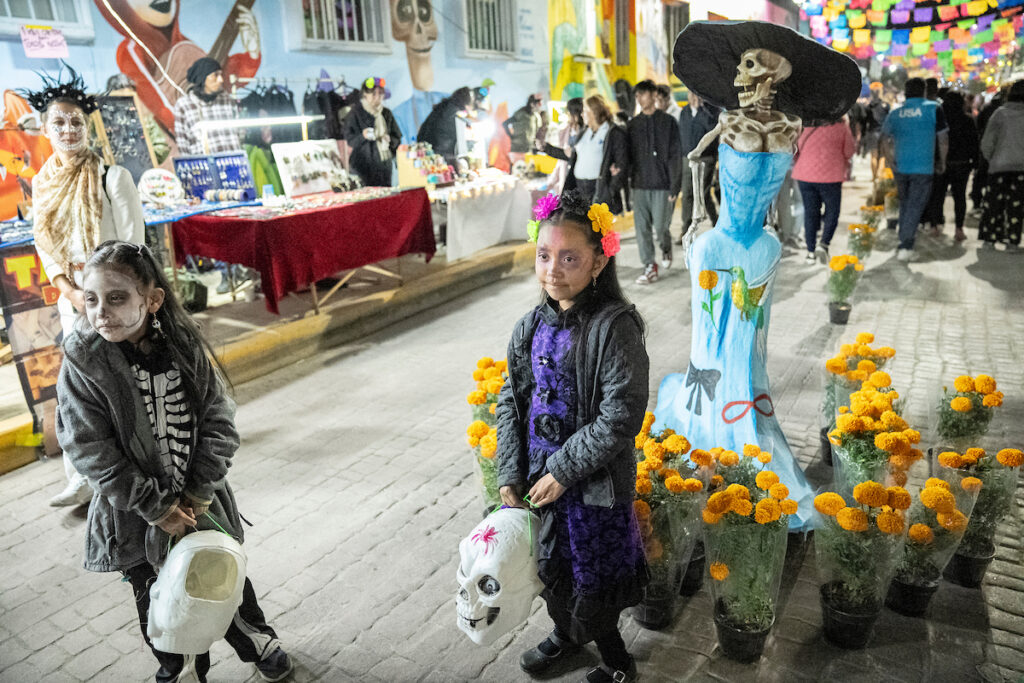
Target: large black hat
x=823 y=86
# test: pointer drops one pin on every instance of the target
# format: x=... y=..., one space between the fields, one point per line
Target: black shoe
x=276 y=666
x=606 y=674
x=541 y=658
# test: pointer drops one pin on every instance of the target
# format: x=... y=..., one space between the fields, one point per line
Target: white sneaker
x=666 y=259
x=904 y=255
x=810 y=259
x=77 y=492
x=650 y=275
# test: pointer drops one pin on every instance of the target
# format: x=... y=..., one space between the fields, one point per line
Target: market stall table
x=317 y=236
x=483 y=213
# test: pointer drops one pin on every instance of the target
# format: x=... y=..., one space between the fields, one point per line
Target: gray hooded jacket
x=103 y=428
x=611 y=385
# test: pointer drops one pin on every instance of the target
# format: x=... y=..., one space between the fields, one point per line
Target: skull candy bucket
x=497 y=575
x=195 y=596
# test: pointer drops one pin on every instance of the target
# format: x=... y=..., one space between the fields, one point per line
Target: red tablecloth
x=295 y=249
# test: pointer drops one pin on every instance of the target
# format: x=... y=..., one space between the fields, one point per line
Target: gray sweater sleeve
x=623 y=378
x=88 y=438
x=216 y=441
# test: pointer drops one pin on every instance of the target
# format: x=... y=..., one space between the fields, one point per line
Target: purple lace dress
x=591 y=558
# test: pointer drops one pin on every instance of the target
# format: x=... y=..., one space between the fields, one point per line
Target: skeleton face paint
x=114 y=305
x=497 y=575
x=66 y=127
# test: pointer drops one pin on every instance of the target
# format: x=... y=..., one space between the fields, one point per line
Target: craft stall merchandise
x=489 y=210
x=420 y=166
x=312 y=166
x=216 y=177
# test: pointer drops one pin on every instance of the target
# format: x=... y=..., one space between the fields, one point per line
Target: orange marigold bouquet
x=490 y=376
x=858 y=543
x=670 y=490
x=966 y=411
x=745 y=529
x=861 y=239
x=846 y=269
x=996 y=475
x=849 y=369
x=872 y=215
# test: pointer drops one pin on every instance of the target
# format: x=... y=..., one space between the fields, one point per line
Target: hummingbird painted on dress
x=745 y=298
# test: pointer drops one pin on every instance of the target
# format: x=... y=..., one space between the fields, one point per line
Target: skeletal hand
x=249 y=32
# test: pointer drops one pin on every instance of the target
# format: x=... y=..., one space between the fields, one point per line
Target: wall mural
x=22 y=152
x=413 y=23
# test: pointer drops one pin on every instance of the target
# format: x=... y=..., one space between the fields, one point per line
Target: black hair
x=915 y=87
x=931 y=87
x=953 y=105
x=1016 y=92
x=663 y=90
x=572 y=210
x=463 y=97
x=646 y=85
x=575 y=109
x=179 y=333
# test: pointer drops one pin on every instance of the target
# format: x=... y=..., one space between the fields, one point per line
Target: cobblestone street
x=355 y=473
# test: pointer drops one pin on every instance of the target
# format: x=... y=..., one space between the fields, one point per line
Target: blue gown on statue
x=723 y=398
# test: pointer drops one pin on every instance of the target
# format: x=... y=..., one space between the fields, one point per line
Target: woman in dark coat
x=441 y=129
x=373 y=135
x=961 y=159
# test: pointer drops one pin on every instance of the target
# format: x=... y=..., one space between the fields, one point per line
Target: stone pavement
x=355 y=472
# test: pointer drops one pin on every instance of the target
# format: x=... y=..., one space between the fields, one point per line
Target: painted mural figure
x=156 y=56
x=724 y=398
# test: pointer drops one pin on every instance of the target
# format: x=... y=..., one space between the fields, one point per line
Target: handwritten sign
x=43 y=42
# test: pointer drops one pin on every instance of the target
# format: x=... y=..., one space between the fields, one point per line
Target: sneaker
x=77 y=492
x=810 y=259
x=650 y=275
x=666 y=259
x=541 y=658
x=606 y=674
x=276 y=666
x=822 y=253
x=904 y=255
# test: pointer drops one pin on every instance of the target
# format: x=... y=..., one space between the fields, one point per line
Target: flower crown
x=601 y=220
x=73 y=89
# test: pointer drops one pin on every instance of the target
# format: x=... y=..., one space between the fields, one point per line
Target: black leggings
x=955 y=179
x=604 y=632
x=248 y=634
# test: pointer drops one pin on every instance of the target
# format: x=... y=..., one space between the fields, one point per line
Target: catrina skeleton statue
x=765 y=77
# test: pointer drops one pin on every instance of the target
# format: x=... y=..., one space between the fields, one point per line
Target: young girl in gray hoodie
x=143 y=414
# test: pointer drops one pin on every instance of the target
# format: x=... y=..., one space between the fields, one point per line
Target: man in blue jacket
x=919 y=141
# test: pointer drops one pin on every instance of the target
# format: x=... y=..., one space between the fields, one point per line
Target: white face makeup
x=66 y=127
x=115 y=307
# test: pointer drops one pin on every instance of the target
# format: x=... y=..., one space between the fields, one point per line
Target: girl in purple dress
x=567 y=417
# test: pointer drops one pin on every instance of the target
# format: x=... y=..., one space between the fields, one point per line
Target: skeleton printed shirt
x=158 y=380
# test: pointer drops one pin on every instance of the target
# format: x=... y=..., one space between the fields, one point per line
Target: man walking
x=655 y=169
x=914 y=130
x=696 y=120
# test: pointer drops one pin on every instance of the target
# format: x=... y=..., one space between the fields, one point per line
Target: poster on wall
x=23 y=150
x=33 y=322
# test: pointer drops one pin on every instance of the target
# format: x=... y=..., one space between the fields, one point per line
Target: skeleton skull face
x=497 y=575
x=759 y=72
x=412 y=22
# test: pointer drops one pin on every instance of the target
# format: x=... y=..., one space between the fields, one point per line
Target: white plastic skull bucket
x=497 y=575
x=196 y=594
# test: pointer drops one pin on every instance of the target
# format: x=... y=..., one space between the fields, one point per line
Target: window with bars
x=70 y=16
x=622 y=32
x=342 y=23
x=490 y=27
x=676 y=18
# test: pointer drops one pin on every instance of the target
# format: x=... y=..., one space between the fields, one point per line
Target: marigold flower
x=765 y=479
x=768 y=506
x=950 y=459
x=985 y=384
x=764 y=457
x=502 y=365
x=667 y=472
x=639 y=441
x=692 y=485
x=478 y=428
x=935 y=482
x=938 y=499
x=954 y=521
x=478 y=375
x=738 y=491
x=729 y=458
x=779 y=491
x=885 y=352
x=477 y=397
x=963 y=384
x=898 y=497
x=654 y=450
x=742 y=507
x=961 y=404
x=836 y=366
x=720 y=502
x=899 y=478
x=871 y=493
x=992 y=401
x=864 y=350
x=707 y=279
x=701 y=458
x=493 y=409
x=852 y=519
x=849 y=424
x=844 y=409
x=867 y=366
x=865 y=338
x=970 y=484
x=975 y=454
x=644 y=486
x=648 y=421
x=789 y=506
x=1010 y=457
x=641 y=509
x=485 y=362
x=675 y=484
x=494 y=386
x=893 y=422
x=880 y=379
x=829 y=503
x=719 y=571
x=890 y=522
x=847 y=350
x=751 y=450
x=489 y=445
x=921 y=534
x=710 y=517
x=473 y=441
x=676 y=444
x=717 y=480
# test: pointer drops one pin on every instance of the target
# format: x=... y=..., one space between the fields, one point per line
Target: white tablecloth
x=496 y=212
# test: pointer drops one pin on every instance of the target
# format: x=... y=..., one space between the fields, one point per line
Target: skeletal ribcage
x=170 y=419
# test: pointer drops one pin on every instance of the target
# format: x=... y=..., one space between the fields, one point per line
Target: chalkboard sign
x=122 y=136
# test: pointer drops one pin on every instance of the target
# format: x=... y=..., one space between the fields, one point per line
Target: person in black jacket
x=441 y=128
x=373 y=135
x=961 y=159
x=656 y=173
x=697 y=119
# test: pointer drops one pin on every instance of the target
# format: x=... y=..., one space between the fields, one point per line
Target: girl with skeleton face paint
x=78 y=203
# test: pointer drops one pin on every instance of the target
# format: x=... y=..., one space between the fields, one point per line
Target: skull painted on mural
x=497 y=575
x=412 y=22
x=758 y=73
